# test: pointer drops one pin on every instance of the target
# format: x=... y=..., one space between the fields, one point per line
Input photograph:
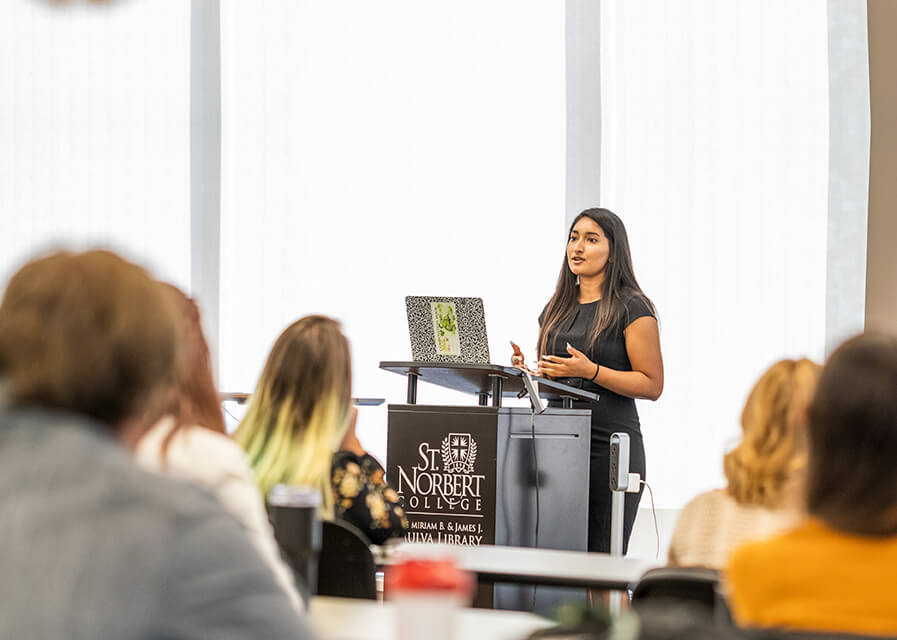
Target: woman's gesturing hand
x=576 y=366
x=517 y=359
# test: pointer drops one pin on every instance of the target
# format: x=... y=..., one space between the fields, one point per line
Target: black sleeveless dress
x=612 y=413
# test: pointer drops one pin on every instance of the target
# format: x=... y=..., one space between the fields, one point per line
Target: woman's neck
x=590 y=288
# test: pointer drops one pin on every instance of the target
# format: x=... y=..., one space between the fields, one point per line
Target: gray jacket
x=93 y=547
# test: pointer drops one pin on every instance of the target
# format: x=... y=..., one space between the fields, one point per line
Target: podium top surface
x=477 y=378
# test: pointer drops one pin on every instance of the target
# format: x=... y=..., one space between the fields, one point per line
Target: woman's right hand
x=518 y=360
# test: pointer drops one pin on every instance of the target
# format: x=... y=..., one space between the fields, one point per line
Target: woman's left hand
x=576 y=366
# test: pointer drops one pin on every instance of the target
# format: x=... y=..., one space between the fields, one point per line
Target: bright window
x=376 y=150
x=94 y=130
x=715 y=153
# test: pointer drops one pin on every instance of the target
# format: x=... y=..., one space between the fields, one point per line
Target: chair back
x=682 y=584
x=346 y=566
x=293 y=513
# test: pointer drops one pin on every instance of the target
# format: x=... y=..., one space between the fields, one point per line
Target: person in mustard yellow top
x=835 y=572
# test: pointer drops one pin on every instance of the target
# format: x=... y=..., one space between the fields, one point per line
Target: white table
x=350 y=619
x=523 y=565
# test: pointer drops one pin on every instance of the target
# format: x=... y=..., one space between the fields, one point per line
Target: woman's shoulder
x=705 y=511
x=713 y=499
x=695 y=528
x=349 y=462
x=343 y=457
x=637 y=304
x=192 y=451
x=149 y=450
x=705 y=506
x=213 y=444
x=718 y=504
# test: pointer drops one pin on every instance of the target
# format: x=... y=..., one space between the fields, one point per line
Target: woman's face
x=587 y=248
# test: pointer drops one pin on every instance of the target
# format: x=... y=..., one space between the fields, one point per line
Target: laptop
x=445 y=329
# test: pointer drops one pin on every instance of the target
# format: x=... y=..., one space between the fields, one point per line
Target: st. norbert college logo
x=444 y=490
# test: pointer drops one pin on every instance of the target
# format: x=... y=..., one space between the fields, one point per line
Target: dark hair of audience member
x=88 y=333
x=852 y=483
x=195 y=401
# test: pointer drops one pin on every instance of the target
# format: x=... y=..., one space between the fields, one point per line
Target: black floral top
x=362 y=498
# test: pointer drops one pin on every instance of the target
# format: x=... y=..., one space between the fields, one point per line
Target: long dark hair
x=619 y=284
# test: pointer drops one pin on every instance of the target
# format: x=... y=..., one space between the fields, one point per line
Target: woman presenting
x=599 y=332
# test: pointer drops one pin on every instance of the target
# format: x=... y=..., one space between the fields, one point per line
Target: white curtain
x=376 y=150
x=94 y=130
x=715 y=151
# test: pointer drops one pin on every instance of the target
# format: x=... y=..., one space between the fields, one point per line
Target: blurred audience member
x=764 y=472
x=94 y=547
x=191 y=441
x=835 y=572
x=300 y=414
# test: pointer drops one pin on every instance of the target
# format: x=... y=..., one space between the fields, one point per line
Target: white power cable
x=633 y=486
x=654 y=515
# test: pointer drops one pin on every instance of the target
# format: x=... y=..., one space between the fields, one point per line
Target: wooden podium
x=486 y=474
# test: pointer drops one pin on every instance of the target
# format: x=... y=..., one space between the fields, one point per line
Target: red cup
x=427 y=593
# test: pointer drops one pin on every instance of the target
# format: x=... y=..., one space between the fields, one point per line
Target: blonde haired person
x=764 y=472
x=300 y=430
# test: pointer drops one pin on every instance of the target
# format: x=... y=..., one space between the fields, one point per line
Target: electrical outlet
x=619 y=462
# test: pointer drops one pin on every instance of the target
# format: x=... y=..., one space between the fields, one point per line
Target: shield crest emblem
x=459 y=452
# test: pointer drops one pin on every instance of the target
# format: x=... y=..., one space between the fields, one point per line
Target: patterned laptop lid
x=447 y=329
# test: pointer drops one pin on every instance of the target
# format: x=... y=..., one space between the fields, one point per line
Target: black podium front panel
x=475 y=475
x=442 y=462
